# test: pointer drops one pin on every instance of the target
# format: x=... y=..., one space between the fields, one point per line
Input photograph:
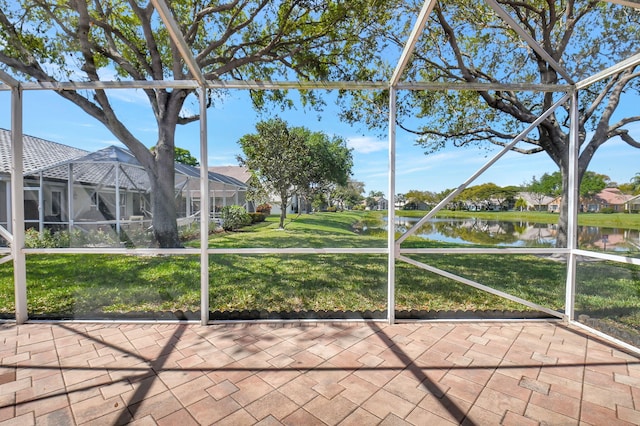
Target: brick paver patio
x=512 y=373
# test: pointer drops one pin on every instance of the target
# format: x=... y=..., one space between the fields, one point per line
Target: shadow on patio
x=315 y=373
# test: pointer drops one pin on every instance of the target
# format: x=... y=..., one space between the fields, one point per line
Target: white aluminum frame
x=393 y=250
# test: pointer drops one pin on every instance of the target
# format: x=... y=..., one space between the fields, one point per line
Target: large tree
x=467 y=42
x=349 y=195
x=288 y=161
x=51 y=41
x=591 y=185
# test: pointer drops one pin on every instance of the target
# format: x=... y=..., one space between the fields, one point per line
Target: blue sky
x=48 y=116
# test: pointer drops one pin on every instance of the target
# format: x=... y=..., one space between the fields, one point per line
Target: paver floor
x=511 y=373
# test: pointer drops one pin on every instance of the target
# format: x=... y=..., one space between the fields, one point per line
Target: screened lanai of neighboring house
x=111 y=191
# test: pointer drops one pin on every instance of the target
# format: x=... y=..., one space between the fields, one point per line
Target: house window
x=56 y=203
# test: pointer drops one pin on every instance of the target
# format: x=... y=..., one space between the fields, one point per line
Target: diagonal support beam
x=9 y=80
x=530 y=40
x=504 y=150
x=479 y=286
x=410 y=46
x=177 y=37
x=4 y=233
x=629 y=3
x=620 y=66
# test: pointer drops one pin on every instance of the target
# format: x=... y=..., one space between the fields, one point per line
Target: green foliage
x=635 y=182
x=592 y=183
x=257 y=217
x=293 y=160
x=417 y=197
x=184 y=156
x=45 y=239
x=551 y=184
x=372 y=199
x=190 y=232
x=521 y=204
x=348 y=196
x=78 y=238
x=234 y=217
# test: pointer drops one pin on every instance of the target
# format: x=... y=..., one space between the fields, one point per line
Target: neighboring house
x=239 y=173
x=297 y=204
x=535 y=201
x=412 y=205
x=67 y=187
x=608 y=198
x=37 y=154
x=633 y=204
x=381 y=203
x=554 y=205
x=243 y=174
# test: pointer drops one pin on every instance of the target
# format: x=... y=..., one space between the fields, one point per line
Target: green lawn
x=94 y=285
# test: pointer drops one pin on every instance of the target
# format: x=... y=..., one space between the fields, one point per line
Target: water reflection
x=519 y=234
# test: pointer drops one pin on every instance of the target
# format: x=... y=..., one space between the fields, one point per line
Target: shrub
x=257 y=217
x=234 y=217
x=64 y=239
x=189 y=232
x=36 y=239
x=264 y=208
x=332 y=209
x=607 y=210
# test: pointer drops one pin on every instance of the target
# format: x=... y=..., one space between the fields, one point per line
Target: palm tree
x=635 y=182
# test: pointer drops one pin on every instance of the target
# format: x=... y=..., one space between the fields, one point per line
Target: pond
x=518 y=234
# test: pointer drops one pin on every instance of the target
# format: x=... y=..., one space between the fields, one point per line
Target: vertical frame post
x=70 y=194
x=204 y=211
x=572 y=229
x=118 y=216
x=41 y=203
x=17 y=207
x=391 y=211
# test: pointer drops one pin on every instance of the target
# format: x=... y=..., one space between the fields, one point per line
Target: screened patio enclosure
x=110 y=192
x=396 y=254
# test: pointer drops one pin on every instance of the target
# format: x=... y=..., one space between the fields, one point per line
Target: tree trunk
x=563 y=219
x=162 y=177
x=284 y=201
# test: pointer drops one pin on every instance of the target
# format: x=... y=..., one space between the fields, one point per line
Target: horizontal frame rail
x=196 y=251
x=299 y=85
x=465 y=250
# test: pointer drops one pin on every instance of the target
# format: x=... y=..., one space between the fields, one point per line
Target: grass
x=91 y=285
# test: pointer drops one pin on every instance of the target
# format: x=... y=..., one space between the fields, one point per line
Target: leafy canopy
x=551 y=184
x=287 y=160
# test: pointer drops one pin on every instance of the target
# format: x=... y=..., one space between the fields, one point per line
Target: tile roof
x=612 y=196
x=52 y=159
x=38 y=153
x=240 y=173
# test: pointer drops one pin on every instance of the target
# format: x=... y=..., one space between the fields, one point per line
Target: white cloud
x=366 y=144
